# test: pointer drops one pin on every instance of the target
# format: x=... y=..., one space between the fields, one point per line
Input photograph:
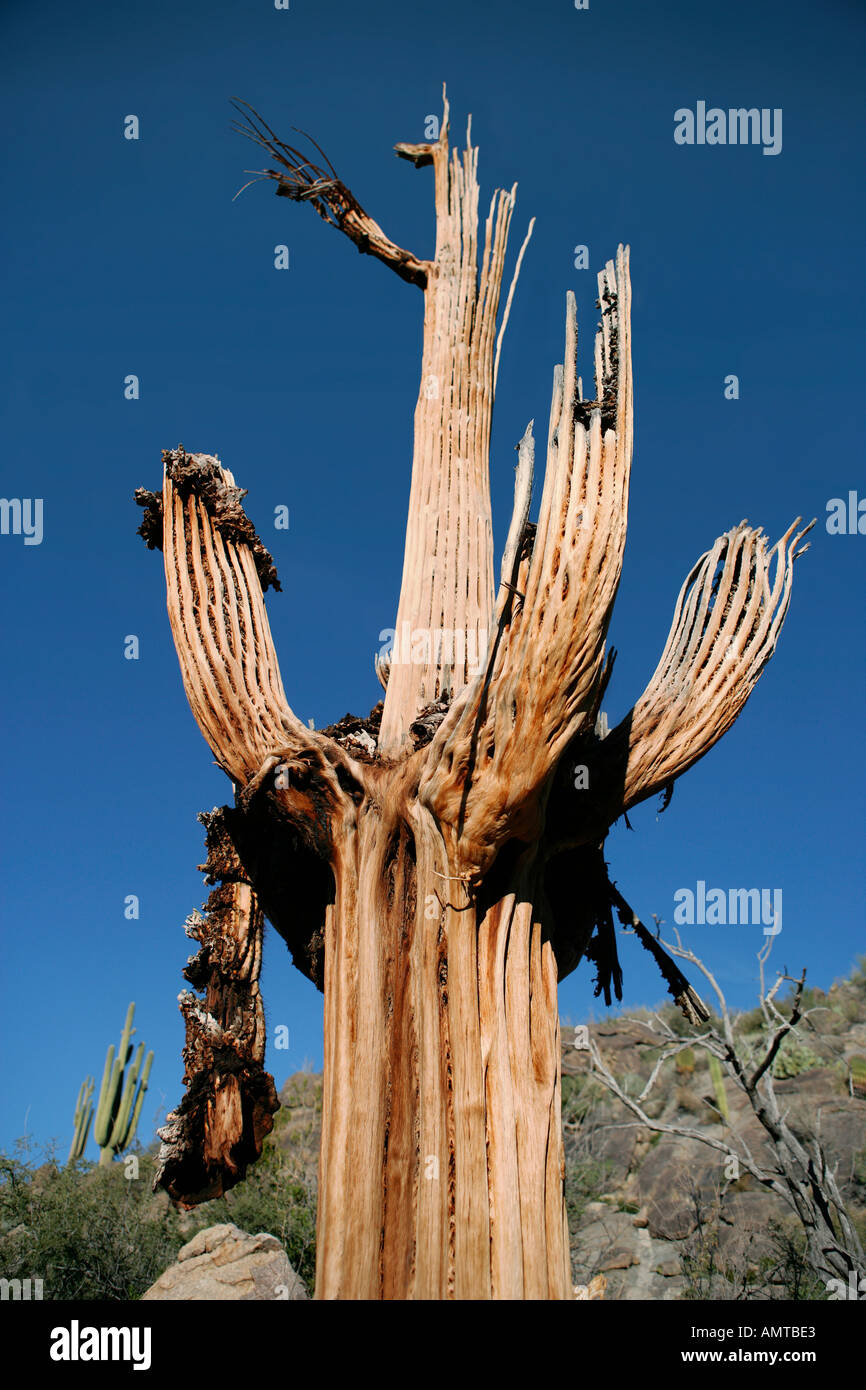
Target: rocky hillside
x=667 y=1217
x=658 y=1215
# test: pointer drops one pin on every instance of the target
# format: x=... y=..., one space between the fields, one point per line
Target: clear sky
x=130 y=257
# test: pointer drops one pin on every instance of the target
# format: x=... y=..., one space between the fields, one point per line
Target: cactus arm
x=139 y=1100
x=107 y=1091
x=124 y=1110
x=82 y=1118
x=719 y=1088
x=125 y=1050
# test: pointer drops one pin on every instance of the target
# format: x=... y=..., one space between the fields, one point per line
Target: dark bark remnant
x=294 y=883
x=305 y=182
x=357 y=735
x=150 y=529
x=202 y=475
x=220 y=1125
x=423 y=729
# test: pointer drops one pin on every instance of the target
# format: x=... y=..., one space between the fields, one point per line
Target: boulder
x=223 y=1262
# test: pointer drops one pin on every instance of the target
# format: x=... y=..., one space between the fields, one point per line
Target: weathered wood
x=447 y=582
x=504 y=738
x=441 y=1106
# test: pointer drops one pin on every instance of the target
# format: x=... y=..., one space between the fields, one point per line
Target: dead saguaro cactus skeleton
x=433 y=869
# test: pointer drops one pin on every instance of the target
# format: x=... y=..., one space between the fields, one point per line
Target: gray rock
x=619 y=1258
x=223 y=1262
x=667 y=1180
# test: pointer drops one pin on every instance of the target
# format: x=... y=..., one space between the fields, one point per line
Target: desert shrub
x=708 y=1270
x=579 y=1095
x=87 y=1232
x=788 y=1269
x=768 y=1264
x=585 y=1174
x=90 y=1233
x=585 y=1180
x=750 y=1023
x=851 y=1007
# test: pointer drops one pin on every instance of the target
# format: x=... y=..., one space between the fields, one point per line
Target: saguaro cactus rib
x=726 y=623
x=725 y=627
x=230 y=670
x=447 y=585
x=545 y=672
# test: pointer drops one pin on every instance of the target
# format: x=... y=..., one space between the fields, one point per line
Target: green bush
x=579 y=1095
x=793 y=1058
x=789 y=1269
x=775 y=1268
x=90 y=1233
x=750 y=1023
x=87 y=1232
x=585 y=1179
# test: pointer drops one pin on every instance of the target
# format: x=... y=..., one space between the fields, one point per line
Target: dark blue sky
x=130 y=257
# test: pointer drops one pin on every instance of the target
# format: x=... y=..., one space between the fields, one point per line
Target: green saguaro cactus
x=83 y=1116
x=121 y=1095
x=685 y=1063
x=719 y=1088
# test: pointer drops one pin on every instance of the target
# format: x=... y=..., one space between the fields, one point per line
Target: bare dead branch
x=603 y=1074
x=685 y=997
x=303 y=181
x=782 y=1032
